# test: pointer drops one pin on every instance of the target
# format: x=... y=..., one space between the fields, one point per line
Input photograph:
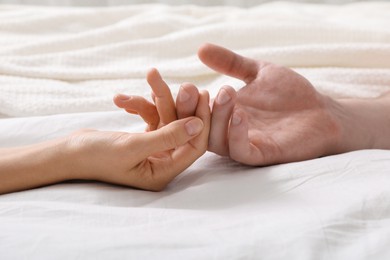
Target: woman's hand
x=176 y=136
x=146 y=160
x=164 y=114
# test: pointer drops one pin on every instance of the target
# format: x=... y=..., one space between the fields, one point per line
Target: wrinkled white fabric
x=60 y=60
x=56 y=64
x=335 y=207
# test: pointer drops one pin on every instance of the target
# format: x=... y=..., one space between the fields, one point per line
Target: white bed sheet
x=59 y=69
x=335 y=207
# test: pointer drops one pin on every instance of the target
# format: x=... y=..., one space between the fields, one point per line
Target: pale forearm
x=32 y=166
x=366 y=123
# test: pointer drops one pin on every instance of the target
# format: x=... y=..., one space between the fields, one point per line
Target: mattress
x=60 y=67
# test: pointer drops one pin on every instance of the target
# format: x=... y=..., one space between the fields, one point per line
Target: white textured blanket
x=56 y=60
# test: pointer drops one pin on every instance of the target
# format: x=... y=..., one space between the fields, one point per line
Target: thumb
x=227 y=62
x=171 y=136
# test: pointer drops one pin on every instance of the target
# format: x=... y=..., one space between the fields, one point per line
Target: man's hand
x=276 y=117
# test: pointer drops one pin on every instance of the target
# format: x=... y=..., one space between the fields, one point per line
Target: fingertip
x=194 y=126
x=120 y=99
x=152 y=72
x=152 y=76
x=204 y=45
x=183 y=95
x=225 y=95
x=229 y=89
x=205 y=50
x=159 y=87
x=186 y=91
x=228 y=62
x=189 y=87
x=187 y=100
x=202 y=51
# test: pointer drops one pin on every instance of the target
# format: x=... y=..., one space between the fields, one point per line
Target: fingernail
x=223 y=97
x=183 y=95
x=123 y=97
x=236 y=119
x=194 y=126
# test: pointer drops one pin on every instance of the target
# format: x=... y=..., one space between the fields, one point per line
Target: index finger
x=162 y=97
x=228 y=62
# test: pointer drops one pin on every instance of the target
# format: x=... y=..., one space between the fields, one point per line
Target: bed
x=60 y=67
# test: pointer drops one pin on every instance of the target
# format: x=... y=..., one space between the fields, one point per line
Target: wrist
x=364 y=124
x=85 y=156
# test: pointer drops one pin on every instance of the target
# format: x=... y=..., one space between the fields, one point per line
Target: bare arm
x=32 y=166
x=365 y=123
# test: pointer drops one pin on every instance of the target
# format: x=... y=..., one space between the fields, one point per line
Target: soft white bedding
x=59 y=69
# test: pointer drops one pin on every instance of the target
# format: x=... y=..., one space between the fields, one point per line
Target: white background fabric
x=74 y=54
x=59 y=69
x=329 y=208
x=242 y=3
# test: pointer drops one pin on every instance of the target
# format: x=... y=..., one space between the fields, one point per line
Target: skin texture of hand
x=279 y=117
